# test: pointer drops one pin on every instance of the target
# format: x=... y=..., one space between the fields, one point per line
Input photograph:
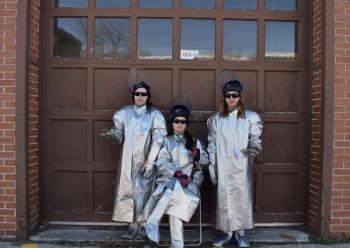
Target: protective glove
x=112 y=135
x=196 y=154
x=147 y=170
x=183 y=178
x=251 y=151
x=178 y=173
x=212 y=173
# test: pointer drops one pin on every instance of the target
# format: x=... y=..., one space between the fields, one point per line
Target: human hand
x=178 y=173
x=252 y=152
x=195 y=154
x=107 y=133
x=183 y=178
x=113 y=135
x=147 y=170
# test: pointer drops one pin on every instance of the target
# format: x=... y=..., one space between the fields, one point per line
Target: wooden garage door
x=92 y=50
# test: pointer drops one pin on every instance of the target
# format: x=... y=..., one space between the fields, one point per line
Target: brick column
x=315 y=174
x=8 y=12
x=340 y=198
x=18 y=163
x=33 y=114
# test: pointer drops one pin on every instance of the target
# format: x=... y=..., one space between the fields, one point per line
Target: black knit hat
x=179 y=110
x=140 y=85
x=233 y=85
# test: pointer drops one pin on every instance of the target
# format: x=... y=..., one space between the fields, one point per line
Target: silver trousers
x=176 y=225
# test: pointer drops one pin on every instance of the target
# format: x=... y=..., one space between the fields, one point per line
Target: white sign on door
x=189 y=54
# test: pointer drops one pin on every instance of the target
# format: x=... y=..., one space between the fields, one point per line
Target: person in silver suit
x=180 y=167
x=234 y=137
x=141 y=129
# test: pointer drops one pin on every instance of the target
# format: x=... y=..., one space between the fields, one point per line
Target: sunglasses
x=234 y=95
x=140 y=94
x=180 y=121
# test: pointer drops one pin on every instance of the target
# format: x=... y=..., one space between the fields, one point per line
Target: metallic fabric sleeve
x=255 y=130
x=212 y=146
x=203 y=162
x=201 y=165
x=212 y=128
x=165 y=166
x=158 y=133
x=118 y=130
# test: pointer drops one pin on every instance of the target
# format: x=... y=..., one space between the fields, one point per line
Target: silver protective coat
x=227 y=137
x=176 y=201
x=142 y=133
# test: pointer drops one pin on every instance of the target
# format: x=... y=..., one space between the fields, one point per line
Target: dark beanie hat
x=179 y=110
x=233 y=85
x=140 y=85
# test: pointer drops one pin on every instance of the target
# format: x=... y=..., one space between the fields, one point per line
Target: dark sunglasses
x=140 y=94
x=180 y=121
x=234 y=95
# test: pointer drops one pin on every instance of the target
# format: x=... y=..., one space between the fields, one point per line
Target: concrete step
x=82 y=234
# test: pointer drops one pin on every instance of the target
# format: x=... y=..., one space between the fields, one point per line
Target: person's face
x=140 y=97
x=232 y=98
x=179 y=125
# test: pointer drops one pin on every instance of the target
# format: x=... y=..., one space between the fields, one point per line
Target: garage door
x=92 y=49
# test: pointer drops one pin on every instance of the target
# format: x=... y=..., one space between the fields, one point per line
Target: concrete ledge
x=78 y=234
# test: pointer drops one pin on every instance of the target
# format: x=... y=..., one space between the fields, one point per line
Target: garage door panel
x=104 y=184
x=111 y=89
x=161 y=85
x=104 y=150
x=281 y=91
x=250 y=89
x=281 y=193
x=280 y=143
x=67 y=140
x=68 y=191
x=200 y=86
x=68 y=89
x=199 y=130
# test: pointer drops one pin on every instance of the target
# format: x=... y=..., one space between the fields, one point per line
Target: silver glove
x=148 y=170
x=251 y=151
x=112 y=134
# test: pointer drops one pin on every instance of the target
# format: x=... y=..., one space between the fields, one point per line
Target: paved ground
x=108 y=237
x=142 y=245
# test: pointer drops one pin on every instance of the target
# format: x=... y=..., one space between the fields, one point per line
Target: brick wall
x=33 y=113
x=315 y=197
x=340 y=205
x=7 y=117
x=8 y=18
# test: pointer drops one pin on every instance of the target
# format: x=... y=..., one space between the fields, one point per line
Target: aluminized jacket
x=227 y=137
x=142 y=134
x=182 y=202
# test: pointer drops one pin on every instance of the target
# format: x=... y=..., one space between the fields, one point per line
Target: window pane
x=195 y=4
x=70 y=37
x=154 y=39
x=240 y=4
x=71 y=3
x=112 y=38
x=155 y=3
x=113 y=3
x=240 y=40
x=280 y=41
x=281 y=5
x=197 y=39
